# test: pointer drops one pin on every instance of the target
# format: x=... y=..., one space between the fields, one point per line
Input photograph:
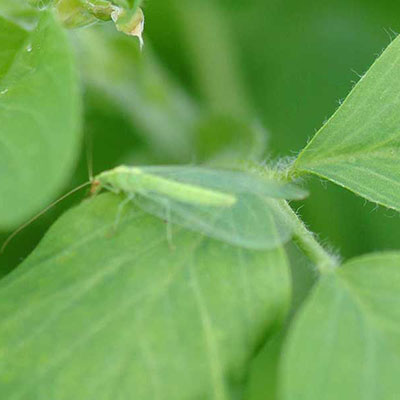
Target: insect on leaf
x=236 y=207
x=127 y=317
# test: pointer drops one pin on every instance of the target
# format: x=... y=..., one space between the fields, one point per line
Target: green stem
x=309 y=245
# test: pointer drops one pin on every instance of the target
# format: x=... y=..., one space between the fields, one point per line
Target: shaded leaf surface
x=359 y=147
x=39 y=115
x=99 y=312
x=345 y=344
x=263 y=375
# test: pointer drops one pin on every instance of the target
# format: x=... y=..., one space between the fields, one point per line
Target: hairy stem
x=309 y=245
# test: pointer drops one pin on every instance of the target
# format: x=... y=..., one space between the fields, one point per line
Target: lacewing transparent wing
x=236 y=207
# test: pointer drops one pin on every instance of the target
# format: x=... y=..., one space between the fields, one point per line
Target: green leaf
x=39 y=117
x=359 y=146
x=345 y=343
x=126 y=314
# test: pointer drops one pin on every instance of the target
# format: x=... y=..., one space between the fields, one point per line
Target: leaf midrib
x=363 y=153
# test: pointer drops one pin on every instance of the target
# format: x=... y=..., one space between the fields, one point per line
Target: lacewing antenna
x=95 y=186
x=89 y=155
x=33 y=219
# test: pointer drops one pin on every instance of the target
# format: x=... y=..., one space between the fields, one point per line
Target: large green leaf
x=39 y=116
x=100 y=311
x=345 y=344
x=359 y=147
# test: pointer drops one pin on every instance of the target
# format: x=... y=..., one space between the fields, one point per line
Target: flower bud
x=131 y=23
x=79 y=13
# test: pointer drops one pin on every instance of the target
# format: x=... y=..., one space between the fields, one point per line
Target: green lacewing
x=236 y=207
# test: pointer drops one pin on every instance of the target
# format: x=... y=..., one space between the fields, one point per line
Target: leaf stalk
x=309 y=245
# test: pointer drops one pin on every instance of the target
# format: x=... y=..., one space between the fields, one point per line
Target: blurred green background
x=222 y=81
x=225 y=81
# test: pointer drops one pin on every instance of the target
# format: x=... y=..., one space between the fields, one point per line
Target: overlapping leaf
x=104 y=312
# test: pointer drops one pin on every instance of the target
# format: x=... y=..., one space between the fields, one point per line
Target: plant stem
x=309 y=245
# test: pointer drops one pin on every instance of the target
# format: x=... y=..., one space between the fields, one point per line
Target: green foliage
x=40 y=117
x=352 y=318
x=234 y=207
x=126 y=315
x=159 y=289
x=359 y=147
